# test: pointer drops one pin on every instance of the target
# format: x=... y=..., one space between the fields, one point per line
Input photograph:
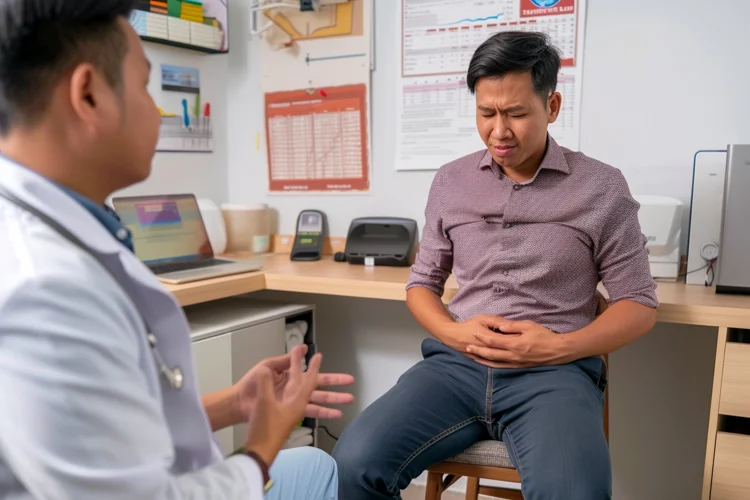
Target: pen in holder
x=189 y=132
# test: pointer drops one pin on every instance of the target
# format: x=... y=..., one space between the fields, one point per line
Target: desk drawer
x=735 y=384
x=731 y=480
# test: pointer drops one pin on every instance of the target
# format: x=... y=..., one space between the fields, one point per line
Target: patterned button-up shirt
x=534 y=250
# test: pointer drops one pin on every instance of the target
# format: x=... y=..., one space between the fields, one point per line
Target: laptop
x=170 y=237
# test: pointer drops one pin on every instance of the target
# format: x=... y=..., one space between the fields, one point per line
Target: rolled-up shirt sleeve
x=620 y=252
x=434 y=261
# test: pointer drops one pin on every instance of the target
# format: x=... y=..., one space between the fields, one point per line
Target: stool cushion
x=486 y=453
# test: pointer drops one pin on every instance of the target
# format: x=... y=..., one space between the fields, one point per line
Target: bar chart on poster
x=436 y=112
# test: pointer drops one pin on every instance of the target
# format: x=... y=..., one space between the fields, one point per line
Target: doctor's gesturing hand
x=279 y=403
x=280 y=369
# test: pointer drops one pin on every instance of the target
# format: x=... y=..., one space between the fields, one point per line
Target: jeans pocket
x=595 y=370
x=603 y=376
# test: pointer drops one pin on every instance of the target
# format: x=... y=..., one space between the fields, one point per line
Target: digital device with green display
x=308 y=240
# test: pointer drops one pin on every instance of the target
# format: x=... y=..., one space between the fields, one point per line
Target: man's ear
x=554 y=105
x=92 y=99
x=83 y=98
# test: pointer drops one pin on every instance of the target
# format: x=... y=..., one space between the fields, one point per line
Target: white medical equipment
x=660 y=218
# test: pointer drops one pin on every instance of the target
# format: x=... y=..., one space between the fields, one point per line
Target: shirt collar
x=106 y=216
x=554 y=159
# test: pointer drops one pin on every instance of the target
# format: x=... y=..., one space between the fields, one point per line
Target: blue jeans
x=549 y=417
x=304 y=472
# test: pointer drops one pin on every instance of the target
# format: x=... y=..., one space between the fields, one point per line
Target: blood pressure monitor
x=308 y=241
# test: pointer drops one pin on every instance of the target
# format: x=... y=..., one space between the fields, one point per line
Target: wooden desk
x=679 y=303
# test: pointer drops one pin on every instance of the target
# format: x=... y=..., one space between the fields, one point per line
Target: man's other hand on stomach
x=518 y=344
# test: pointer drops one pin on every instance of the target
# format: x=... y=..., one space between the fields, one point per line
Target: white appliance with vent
x=661 y=221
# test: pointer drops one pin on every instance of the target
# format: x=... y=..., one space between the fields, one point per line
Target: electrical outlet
x=710 y=251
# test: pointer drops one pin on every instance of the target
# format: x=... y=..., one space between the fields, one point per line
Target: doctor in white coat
x=98 y=396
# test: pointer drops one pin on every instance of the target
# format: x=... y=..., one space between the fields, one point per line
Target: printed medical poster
x=317 y=141
x=436 y=112
x=316 y=77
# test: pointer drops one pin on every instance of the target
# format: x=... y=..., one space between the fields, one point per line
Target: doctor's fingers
x=331 y=398
x=283 y=362
x=334 y=379
x=301 y=385
x=315 y=411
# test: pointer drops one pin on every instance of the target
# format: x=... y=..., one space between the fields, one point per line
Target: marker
x=207 y=115
x=197 y=109
x=185 y=114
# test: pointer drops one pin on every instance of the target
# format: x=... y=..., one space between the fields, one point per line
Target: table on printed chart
x=436 y=110
x=439 y=40
x=316 y=146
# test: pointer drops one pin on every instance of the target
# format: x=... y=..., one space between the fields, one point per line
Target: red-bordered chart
x=317 y=140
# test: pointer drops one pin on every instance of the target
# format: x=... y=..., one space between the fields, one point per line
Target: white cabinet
x=230 y=336
x=213 y=365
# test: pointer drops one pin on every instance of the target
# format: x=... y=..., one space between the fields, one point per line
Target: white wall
x=248 y=167
x=662 y=80
x=204 y=174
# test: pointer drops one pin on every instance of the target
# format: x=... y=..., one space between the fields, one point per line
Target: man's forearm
x=616 y=327
x=222 y=408
x=429 y=311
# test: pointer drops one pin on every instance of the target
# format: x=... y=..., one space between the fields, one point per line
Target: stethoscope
x=173 y=376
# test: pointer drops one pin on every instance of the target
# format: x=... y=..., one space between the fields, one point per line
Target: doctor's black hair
x=42 y=40
x=517 y=52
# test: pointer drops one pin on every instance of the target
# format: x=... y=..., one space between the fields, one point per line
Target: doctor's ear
x=92 y=98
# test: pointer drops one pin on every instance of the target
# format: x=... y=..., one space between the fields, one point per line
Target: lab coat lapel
x=48 y=198
x=161 y=312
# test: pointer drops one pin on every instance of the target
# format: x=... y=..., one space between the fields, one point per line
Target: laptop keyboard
x=173 y=267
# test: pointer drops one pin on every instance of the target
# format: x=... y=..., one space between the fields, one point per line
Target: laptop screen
x=165 y=228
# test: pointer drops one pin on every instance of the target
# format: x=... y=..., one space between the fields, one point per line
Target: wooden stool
x=485 y=460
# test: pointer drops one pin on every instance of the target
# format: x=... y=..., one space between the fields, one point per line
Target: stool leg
x=472 y=488
x=434 y=485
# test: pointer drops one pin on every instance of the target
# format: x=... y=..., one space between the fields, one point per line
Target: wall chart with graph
x=436 y=112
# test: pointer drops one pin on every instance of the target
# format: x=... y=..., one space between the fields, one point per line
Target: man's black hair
x=41 y=40
x=517 y=52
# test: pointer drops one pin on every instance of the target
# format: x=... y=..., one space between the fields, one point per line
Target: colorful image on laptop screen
x=165 y=228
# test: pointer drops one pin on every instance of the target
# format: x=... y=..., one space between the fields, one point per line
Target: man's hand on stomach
x=518 y=344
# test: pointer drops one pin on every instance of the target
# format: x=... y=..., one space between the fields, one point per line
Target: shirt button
x=505 y=273
x=517 y=187
x=122 y=234
x=507 y=225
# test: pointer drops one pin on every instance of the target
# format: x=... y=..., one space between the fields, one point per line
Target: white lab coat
x=84 y=413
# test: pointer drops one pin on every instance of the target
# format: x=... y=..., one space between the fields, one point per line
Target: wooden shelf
x=196 y=48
